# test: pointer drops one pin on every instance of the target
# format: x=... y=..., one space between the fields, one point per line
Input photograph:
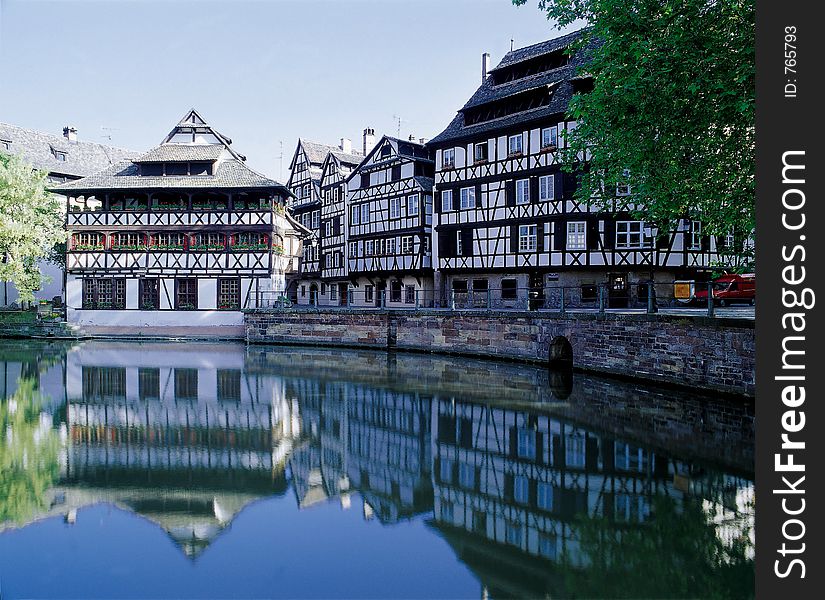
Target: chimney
x=369 y=139
x=485 y=66
x=422 y=141
x=70 y=133
x=411 y=138
x=346 y=145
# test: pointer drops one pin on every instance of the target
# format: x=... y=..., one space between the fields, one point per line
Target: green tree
x=31 y=224
x=671 y=112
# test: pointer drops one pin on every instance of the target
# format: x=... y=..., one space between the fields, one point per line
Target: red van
x=730 y=289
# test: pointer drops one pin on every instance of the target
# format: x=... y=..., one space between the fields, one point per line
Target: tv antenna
x=108 y=132
x=281 y=161
x=398 y=121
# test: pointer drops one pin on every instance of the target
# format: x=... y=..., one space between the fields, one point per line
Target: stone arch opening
x=561 y=352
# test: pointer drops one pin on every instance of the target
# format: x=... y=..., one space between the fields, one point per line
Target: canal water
x=187 y=470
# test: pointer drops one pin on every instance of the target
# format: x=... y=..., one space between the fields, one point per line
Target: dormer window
x=152 y=169
x=5 y=145
x=385 y=151
x=176 y=168
x=533 y=66
x=59 y=155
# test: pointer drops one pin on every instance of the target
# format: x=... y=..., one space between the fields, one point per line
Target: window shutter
x=540 y=237
x=510 y=192
x=513 y=442
x=558 y=455
x=467 y=242
x=514 y=239
x=705 y=242
x=539 y=448
x=663 y=241
x=558 y=185
x=445 y=247
x=438 y=201
x=456 y=199
x=609 y=234
x=593 y=234
x=534 y=190
x=478 y=194
x=591 y=454
x=571 y=182
x=560 y=236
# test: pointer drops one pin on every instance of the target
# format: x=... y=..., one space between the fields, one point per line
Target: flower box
x=549 y=148
x=132 y=247
x=207 y=248
x=87 y=247
x=186 y=306
x=230 y=306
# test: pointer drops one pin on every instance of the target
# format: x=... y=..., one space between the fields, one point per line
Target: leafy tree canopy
x=671 y=112
x=31 y=224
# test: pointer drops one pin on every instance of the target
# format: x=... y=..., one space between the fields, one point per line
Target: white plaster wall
x=132 y=293
x=208 y=293
x=155 y=318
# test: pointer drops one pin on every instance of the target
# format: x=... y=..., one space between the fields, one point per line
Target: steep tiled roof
x=38 y=148
x=316 y=153
x=182 y=152
x=558 y=81
x=230 y=173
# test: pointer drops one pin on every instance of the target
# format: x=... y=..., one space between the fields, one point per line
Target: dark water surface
x=184 y=470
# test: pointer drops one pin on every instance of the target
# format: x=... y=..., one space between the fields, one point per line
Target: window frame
x=523 y=185
x=577 y=240
x=527 y=238
x=519 y=151
x=467 y=200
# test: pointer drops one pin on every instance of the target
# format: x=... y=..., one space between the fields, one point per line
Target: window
x=547 y=545
x=447 y=511
x=480 y=152
x=103 y=383
x=527 y=238
x=695 y=235
x=459 y=244
x=186 y=384
x=365 y=180
x=730 y=240
x=544 y=496
x=576 y=235
x=229 y=294
x=177 y=168
x=460 y=286
x=104 y=293
x=412 y=205
x=521 y=489
x=395 y=173
x=365 y=214
x=526 y=447
x=149 y=294
x=149 y=384
x=5 y=144
x=208 y=242
x=395 y=208
x=353 y=215
x=523 y=191
x=369 y=293
x=409 y=294
x=629 y=458
x=390 y=246
x=337 y=257
x=631 y=234
x=333 y=290
x=61 y=156
x=549 y=137
x=229 y=385
x=307 y=191
x=328 y=228
x=574 y=451
x=128 y=241
x=186 y=294
x=87 y=241
x=316 y=219
x=448 y=158
x=515 y=144
x=303 y=291
x=546 y=187
x=512 y=533
x=249 y=241
x=623 y=187
x=353 y=249
x=168 y=241
x=480 y=522
x=369 y=248
x=509 y=289
x=406 y=244
x=589 y=292
x=446 y=200
x=151 y=169
x=466 y=475
x=468 y=197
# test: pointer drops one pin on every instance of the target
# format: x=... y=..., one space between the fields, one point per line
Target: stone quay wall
x=716 y=354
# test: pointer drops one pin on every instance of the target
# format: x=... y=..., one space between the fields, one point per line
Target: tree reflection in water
x=29 y=453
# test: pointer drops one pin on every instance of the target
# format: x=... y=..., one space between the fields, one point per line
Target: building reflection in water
x=514 y=470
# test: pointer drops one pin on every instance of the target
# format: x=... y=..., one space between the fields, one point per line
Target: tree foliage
x=671 y=112
x=31 y=224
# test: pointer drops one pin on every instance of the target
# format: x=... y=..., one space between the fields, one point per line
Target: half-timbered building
x=389 y=225
x=507 y=220
x=316 y=172
x=185 y=234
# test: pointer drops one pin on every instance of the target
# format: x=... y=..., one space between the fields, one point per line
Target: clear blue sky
x=262 y=72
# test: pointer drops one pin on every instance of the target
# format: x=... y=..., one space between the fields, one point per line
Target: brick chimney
x=485 y=66
x=346 y=145
x=369 y=139
x=70 y=133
